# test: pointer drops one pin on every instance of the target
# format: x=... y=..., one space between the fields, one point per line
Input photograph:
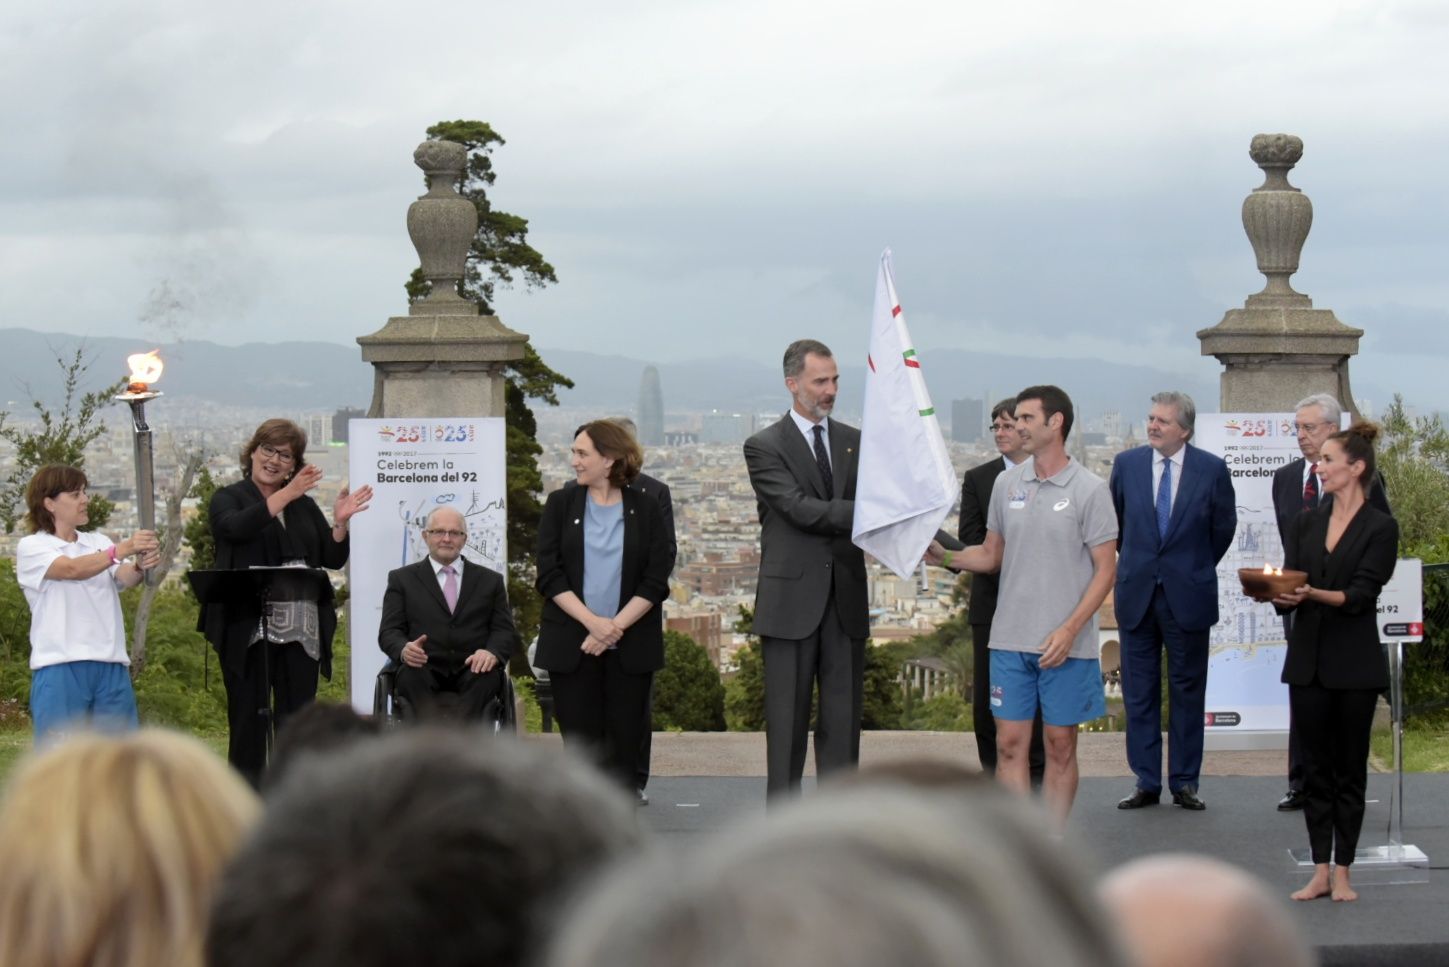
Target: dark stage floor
x=1391 y=924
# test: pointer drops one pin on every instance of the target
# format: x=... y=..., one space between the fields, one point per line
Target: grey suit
x=810 y=603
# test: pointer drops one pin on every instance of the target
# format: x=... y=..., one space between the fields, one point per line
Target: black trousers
x=791 y=669
x=293 y=684
x=1334 y=725
x=646 y=742
x=1295 y=747
x=422 y=689
x=984 y=723
x=600 y=709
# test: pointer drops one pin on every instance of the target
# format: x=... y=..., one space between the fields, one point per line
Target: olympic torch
x=145 y=370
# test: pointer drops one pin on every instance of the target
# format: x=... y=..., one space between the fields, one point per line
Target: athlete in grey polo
x=1052 y=532
x=1049 y=527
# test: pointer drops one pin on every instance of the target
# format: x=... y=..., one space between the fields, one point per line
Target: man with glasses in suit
x=447 y=624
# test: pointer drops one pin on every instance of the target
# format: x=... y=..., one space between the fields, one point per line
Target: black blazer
x=1340 y=645
x=247 y=535
x=648 y=561
x=806 y=555
x=414 y=605
x=1288 y=496
x=975 y=503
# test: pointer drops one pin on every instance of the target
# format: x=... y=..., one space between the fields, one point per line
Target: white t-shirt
x=70 y=620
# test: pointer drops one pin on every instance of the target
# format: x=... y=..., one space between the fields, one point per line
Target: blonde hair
x=110 y=849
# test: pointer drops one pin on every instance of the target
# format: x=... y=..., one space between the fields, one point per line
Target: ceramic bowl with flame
x=1266 y=583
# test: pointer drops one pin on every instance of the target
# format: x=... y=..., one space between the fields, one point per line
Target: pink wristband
x=111 y=553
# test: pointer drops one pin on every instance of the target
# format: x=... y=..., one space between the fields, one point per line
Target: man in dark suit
x=810 y=603
x=1296 y=488
x=1176 y=515
x=447 y=623
x=975 y=503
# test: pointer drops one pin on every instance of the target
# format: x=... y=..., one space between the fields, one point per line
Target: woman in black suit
x=604 y=560
x=266 y=519
x=1335 y=667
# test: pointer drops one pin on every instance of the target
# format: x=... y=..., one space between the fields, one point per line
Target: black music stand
x=259 y=587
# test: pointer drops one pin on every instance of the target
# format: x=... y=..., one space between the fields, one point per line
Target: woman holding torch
x=72 y=580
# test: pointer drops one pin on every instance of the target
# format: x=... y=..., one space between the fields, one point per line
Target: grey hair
x=1332 y=411
x=796 y=352
x=1186 y=408
x=428 y=524
x=927 y=877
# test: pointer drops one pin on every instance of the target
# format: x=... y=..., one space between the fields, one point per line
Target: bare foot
x=1320 y=885
x=1342 y=892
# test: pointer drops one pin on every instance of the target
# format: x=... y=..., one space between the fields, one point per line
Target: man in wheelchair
x=446 y=623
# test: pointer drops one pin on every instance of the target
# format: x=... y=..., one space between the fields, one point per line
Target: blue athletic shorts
x=82 y=694
x=1069 y=694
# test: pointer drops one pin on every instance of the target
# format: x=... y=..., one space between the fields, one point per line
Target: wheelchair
x=499 y=715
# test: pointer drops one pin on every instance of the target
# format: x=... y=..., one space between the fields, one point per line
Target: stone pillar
x=442 y=358
x=1278 y=349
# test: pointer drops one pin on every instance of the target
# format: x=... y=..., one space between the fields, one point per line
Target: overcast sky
x=1055 y=178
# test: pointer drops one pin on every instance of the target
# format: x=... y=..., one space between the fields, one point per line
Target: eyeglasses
x=272 y=453
x=451 y=535
x=1002 y=427
x=1309 y=427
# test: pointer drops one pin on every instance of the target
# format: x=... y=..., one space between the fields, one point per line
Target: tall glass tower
x=651 y=409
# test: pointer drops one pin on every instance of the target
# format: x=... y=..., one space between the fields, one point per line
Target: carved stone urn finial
x=1277 y=218
x=442 y=224
x=1278 y=349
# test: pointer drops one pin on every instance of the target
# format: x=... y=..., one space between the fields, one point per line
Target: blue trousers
x=82 y=694
x=1187 y=665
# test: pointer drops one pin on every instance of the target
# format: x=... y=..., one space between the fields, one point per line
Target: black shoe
x=1186 y=797
x=1292 y=801
x=643 y=799
x=1140 y=798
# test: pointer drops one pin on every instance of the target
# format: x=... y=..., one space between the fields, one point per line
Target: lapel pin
x=576 y=520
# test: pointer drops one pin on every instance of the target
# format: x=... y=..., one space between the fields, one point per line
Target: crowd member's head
x=277 y=449
x=317 y=728
x=1182 y=910
x=52 y=483
x=879 y=872
x=110 y=848
x=1316 y=418
x=429 y=847
x=1003 y=429
x=1043 y=418
x=605 y=448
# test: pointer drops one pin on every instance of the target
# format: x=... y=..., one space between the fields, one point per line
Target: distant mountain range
x=314 y=375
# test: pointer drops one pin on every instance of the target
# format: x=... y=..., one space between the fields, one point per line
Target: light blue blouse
x=603 y=557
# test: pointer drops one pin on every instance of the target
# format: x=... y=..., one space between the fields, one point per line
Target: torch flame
x=1270 y=569
x=145 y=368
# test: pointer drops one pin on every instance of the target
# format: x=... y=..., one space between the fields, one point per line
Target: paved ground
x=743 y=753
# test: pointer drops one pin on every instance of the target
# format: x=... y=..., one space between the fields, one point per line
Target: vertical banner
x=1247 y=647
x=415 y=466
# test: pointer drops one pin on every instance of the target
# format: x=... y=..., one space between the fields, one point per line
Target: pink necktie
x=450 y=588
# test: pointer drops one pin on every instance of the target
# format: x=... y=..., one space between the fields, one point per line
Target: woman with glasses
x=1335 y=667
x=72 y=579
x=604 y=558
x=266 y=519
